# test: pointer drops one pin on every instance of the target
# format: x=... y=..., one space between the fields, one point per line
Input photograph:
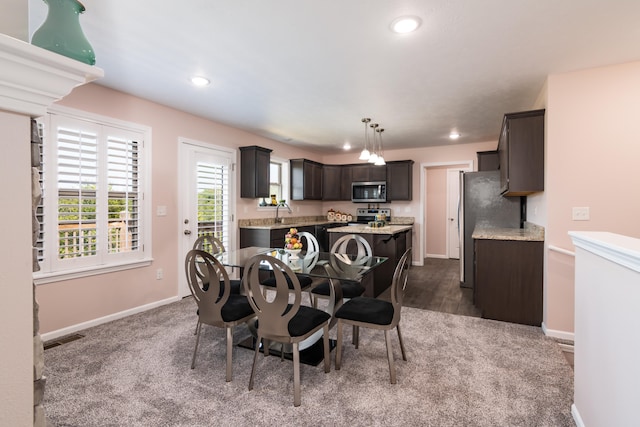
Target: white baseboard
x=563 y=335
x=437 y=256
x=576 y=416
x=99 y=321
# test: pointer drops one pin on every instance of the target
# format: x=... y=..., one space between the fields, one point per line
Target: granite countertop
x=530 y=232
x=288 y=222
x=365 y=229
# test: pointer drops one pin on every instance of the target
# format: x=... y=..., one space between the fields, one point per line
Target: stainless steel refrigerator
x=481 y=204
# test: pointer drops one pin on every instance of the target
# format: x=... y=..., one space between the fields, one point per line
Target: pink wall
x=593 y=148
x=66 y=303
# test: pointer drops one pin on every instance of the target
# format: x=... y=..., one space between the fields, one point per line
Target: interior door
x=207 y=203
x=453 y=198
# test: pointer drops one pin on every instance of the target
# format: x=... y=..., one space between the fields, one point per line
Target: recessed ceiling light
x=200 y=81
x=405 y=24
x=454 y=135
x=346 y=146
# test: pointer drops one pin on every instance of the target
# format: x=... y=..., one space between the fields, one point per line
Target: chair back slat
x=312 y=244
x=353 y=244
x=209 y=284
x=209 y=243
x=273 y=313
x=399 y=284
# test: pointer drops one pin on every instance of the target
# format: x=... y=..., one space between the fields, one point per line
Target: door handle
x=187 y=232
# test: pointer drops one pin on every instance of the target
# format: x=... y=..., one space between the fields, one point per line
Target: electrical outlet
x=159 y=274
x=580 y=214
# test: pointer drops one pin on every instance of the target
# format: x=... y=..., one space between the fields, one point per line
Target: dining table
x=344 y=267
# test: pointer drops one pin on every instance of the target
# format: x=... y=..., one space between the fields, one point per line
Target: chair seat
x=305 y=282
x=236 y=307
x=367 y=310
x=349 y=289
x=235 y=285
x=305 y=320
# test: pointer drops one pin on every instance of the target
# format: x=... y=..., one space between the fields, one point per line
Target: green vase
x=61 y=31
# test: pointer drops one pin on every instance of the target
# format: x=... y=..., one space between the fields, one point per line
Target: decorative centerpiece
x=292 y=243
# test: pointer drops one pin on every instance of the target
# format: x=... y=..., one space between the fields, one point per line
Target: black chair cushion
x=235 y=284
x=236 y=307
x=305 y=282
x=367 y=310
x=349 y=289
x=305 y=320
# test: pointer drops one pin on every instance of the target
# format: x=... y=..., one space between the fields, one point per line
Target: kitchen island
x=508 y=273
x=390 y=241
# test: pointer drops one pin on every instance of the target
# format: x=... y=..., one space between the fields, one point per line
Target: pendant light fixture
x=365 y=154
x=374 y=156
x=380 y=160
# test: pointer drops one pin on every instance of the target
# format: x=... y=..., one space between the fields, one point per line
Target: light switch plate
x=580 y=214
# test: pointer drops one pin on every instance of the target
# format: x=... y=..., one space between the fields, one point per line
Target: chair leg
x=197 y=326
x=356 y=335
x=229 y=352
x=195 y=350
x=296 y=375
x=339 y=346
x=327 y=354
x=266 y=345
x=404 y=355
x=314 y=301
x=392 y=366
x=255 y=359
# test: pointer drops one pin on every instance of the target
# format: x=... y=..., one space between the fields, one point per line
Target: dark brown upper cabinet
x=367 y=172
x=306 y=179
x=332 y=182
x=488 y=161
x=254 y=171
x=400 y=180
x=521 y=153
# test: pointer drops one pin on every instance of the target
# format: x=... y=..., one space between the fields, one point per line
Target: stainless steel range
x=367 y=215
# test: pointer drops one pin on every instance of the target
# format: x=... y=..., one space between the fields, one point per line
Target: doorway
x=207 y=202
x=439 y=204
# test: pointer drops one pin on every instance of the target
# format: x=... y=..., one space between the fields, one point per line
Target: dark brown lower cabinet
x=391 y=246
x=508 y=280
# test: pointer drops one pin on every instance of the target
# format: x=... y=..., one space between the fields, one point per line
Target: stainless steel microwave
x=369 y=192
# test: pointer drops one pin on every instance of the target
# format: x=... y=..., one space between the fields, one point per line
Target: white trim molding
x=99 y=321
x=622 y=250
x=33 y=78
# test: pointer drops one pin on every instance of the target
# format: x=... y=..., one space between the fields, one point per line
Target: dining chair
x=353 y=244
x=213 y=245
x=375 y=313
x=309 y=244
x=217 y=306
x=283 y=319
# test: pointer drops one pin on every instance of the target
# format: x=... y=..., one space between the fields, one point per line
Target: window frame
x=50 y=270
x=284 y=181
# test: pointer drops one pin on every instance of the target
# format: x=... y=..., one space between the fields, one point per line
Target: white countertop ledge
x=620 y=249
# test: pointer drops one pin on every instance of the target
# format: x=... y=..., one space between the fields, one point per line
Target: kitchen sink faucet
x=278 y=219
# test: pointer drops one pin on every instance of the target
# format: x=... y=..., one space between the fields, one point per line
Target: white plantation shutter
x=93 y=212
x=213 y=200
x=124 y=194
x=77 y=166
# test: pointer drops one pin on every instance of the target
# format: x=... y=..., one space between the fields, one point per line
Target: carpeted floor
x=461 y=371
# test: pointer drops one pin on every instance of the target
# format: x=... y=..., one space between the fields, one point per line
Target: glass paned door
x=207 y=198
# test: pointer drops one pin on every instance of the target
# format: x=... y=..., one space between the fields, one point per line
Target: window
x=94 y=214
x=278 y=181
x=275 y=180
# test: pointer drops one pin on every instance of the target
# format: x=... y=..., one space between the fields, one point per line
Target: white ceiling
x=305 y=72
